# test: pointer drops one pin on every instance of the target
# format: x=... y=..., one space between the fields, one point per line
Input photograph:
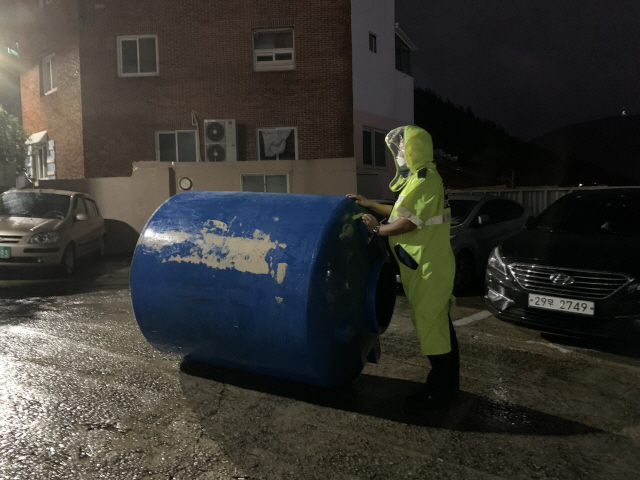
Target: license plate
x=5 y=252
x=569 y=305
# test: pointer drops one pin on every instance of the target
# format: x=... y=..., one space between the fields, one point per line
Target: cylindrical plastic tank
x=276 y=284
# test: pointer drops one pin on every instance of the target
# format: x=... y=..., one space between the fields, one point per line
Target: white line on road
x=551 y=345
x=472 y=318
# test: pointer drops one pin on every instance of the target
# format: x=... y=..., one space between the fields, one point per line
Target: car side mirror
x=529 y=222
x=81 y=217
x=483 y=219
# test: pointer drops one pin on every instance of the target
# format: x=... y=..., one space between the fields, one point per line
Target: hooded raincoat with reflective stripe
x=427 y=264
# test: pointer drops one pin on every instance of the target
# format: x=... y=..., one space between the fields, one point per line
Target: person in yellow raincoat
x=418 y=230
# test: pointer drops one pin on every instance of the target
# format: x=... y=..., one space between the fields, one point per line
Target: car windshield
x=460 y=210
x=34 y=204
x=596 y=213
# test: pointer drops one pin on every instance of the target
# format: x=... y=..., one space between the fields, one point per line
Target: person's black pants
x=444 y=378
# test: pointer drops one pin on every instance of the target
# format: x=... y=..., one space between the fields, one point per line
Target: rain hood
x=412 y=150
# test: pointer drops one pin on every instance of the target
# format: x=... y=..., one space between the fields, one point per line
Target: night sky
x=529 y=65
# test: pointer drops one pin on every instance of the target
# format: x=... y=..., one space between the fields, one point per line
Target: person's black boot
x=443 y=382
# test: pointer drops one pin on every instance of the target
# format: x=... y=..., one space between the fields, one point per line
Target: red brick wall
x=54 y=29
x=206 y=65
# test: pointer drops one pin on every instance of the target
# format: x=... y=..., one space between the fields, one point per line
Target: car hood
x=609 y=252
x=22 y=225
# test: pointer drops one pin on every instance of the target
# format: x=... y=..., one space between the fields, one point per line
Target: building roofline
x=405 y=38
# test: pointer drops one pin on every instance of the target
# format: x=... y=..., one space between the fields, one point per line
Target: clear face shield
x=395 y=142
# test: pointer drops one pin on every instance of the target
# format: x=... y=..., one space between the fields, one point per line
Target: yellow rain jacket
x=427 y=264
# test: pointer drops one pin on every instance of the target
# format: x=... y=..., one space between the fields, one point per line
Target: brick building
x=112 y=82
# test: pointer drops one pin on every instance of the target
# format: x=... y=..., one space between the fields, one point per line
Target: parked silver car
x=478 y=224
x=44 y=228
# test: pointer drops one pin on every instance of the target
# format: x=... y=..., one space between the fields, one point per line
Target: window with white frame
x=265 y=183
x=48 y=82
x=277 y=143
x=273 y=49
x=40 y=156
x=374 y=147
x=177 y=146
x=40 y=162
x=137 y=55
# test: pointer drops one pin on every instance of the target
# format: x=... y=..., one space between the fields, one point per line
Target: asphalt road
x=84 y=396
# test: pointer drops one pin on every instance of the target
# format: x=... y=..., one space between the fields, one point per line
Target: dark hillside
x=487 y=155
x=604 y=152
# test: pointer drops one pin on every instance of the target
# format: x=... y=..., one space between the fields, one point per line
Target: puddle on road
x=111 y=274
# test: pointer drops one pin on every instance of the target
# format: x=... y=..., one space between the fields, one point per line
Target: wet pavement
x=84 y=396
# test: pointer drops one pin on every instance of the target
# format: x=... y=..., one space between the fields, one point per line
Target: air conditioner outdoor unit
x=220 y=141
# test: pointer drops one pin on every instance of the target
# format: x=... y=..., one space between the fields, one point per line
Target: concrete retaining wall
x=127 y=203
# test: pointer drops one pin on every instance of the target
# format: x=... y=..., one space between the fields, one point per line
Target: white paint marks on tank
x=220 y=225
x=214 y=248
x=282 y=271
x=158 y=240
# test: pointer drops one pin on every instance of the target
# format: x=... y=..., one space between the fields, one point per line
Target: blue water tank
x=277 y=284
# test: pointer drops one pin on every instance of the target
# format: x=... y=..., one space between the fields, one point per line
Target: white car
x=478 y=224
x=49 y=228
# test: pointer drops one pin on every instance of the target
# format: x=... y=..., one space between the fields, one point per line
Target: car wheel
x=465 y=272
x=68 y=262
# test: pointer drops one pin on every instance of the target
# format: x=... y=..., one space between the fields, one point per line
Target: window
x=79 y=205
x=374 y=148
x=92 y=208
x=279 y=143
x=273 y=49
x=177 y=146
x=403 y=57
x=265 y=183
x=460 y=210
x=594 y=212
x=373 y=42
x=48 y=83
x=11 y=48
x=138 y=56
x=41 y=162
x=500 y=211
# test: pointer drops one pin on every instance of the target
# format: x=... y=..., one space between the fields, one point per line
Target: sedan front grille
x=10 y=238
x=583 y=284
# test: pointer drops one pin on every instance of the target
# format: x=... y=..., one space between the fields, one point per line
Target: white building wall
x=382 y=96
x=378 y=88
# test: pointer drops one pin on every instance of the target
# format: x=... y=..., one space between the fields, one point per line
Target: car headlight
x=46 y=237
x=496 y=262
